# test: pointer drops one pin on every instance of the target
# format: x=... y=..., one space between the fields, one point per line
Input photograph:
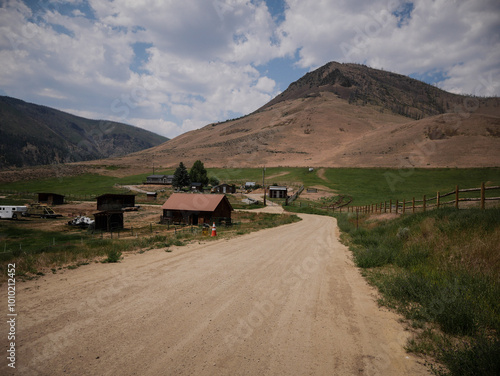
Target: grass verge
x=441 y=270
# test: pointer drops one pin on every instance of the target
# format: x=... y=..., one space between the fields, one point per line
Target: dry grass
x=441 y=270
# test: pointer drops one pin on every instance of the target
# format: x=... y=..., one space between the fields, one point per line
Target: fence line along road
x=435 y=202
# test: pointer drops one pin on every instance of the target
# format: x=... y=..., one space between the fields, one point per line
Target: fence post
x=413 y=205
x=397 y=204
x=423 y=205
x=404 y=205
x=437 y=200
x=456 y=197
x=390 y=205
x=483 y=196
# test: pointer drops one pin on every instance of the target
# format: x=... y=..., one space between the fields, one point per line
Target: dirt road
x=282 y=301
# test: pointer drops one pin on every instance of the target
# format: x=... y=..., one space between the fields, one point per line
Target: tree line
x=197 y=174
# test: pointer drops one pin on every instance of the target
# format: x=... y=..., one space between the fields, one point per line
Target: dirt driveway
x=282 y=301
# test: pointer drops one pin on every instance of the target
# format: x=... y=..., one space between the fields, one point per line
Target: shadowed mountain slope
x=37 y=135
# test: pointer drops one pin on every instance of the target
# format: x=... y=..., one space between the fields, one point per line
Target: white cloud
x=201 y=64
x=454 y=37
x=202 y=56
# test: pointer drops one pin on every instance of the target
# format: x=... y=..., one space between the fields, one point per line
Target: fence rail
x=435 y=202
x=296 y=194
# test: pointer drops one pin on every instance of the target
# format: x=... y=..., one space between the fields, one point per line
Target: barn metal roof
x=194 y=202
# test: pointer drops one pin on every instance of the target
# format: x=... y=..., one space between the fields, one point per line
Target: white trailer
x=12 y=212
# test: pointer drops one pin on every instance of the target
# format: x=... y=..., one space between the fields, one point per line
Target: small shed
x=108 y=220
x=194 y=209
x=50 y=198
x=151 y=196
x=115 y=202
x=159 y=179
x=277 y=192
x=197 y=187
x=224 y=188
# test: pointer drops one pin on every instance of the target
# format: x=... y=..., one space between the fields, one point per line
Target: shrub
x=114 y=255
x=480 y=357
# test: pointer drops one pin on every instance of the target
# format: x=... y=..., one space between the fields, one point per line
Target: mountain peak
x=362 y=85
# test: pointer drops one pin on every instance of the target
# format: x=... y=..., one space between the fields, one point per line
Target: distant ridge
x=37 y=135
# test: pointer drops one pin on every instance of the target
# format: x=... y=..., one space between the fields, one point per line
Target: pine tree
x=181 y=177
x=198 y=173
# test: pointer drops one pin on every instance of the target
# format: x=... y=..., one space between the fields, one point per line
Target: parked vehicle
x=42 y=211
x=82 y=221
x=12 y=212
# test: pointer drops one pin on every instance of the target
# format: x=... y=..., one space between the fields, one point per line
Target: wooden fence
x=295 y=195
x=435 y=202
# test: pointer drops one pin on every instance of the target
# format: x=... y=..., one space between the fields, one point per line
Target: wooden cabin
x=194 y=209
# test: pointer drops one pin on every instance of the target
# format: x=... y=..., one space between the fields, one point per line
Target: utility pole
x=264 y=184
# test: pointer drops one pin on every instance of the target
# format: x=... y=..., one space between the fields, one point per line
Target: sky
x=176 y=65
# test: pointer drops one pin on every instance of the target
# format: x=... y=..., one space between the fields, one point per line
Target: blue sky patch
x=403 y=13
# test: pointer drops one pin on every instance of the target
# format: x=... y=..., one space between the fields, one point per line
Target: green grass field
x=366 y=186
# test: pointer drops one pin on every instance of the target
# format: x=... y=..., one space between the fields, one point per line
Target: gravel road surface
x=282 y=301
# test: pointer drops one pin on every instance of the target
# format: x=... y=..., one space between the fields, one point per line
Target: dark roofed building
x=224 y=188
x=197 y=187
x=277 y=192
x=114 y=202
x=194 y=209
x=50 y=198
x=159 y=179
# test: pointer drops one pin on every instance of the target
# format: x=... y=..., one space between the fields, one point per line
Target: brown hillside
x=345 y=115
